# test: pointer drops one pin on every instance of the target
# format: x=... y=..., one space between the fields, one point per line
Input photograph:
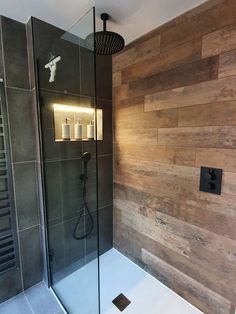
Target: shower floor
x=119 y=275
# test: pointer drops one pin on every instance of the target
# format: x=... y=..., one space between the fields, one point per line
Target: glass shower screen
x=69 y=119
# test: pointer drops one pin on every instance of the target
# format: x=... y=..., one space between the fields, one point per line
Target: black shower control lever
x=210 y=180
x=212 y=174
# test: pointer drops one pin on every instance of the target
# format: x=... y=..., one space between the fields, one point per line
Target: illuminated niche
x=77 y=123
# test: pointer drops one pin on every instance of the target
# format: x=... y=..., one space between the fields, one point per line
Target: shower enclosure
x=71 y=125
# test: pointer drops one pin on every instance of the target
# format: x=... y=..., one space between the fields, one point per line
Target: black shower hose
x=83 y=212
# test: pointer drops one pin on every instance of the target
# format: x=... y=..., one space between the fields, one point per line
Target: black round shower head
x=86 y=157
x=104 y=42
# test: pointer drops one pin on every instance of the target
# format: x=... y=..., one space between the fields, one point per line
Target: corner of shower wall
x=14 y=70
x=38 y=152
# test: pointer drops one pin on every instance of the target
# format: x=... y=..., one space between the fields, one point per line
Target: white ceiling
x=130 y=18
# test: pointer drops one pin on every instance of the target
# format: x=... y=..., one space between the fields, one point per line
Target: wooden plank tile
x=219 y=41
x=163 y=154
x=198 y=237
x=229 y=183
x=143 y=50
x=218 y=158
x=209 y=137
x=116 y=79
x=191 y=290
x=193 y=210
x=222 y=113
x=227 y=64
x=202 y=93
x=183 y=54
x=189 y=74
x=132 y=136
x=129 y=106
x=164 y=118
x=199 y=25
x=193 y=268
x=147 y=227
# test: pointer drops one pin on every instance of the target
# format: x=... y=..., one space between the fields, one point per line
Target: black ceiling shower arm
x=104 y=17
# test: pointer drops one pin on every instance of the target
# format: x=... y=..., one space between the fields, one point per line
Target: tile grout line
x=28 y=302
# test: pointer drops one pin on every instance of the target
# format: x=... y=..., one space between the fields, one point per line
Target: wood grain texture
x=199 y=25
x=206 y=92
x=227 y=64
x=187 y=287
x=174 y=111
x=222 y=113
x=145 y=49
x=192 y=73
x=183 y=54
x=207 y=136
x=219 y=41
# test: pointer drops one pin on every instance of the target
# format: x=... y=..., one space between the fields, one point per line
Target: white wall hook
x=52 y=66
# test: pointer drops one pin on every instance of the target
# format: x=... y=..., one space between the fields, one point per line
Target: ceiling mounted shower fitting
x=105 y=42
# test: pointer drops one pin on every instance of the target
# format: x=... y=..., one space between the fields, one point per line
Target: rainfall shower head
x=105 y=42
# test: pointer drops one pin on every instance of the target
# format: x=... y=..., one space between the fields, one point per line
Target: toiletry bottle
x=90 y=130
x=66 y=130
x=78 y=130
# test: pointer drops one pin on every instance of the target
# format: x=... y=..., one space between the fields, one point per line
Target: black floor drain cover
x=121 y=302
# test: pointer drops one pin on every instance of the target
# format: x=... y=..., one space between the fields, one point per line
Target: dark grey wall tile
x=74 y=249
x=59 y=150
x=45 y=35
x=53 y=190
x=21 y=125
x=26 y=195
x=42 y=300
x=30 y=50
x=1 y=52
x=91 y=242
x=16 y=305
x=105 y=146
x=87 y=70
x=71 y=194
x=105 y=229
x=15 y=53
x=10 y=284
x=104 y=77
x=105 y=179
x=56 y=247
x=31 y=256
x=67 y=76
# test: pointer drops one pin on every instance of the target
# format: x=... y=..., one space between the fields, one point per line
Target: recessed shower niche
x=77 y=123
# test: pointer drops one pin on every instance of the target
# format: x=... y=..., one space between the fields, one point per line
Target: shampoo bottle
x=66 y=130
x=78 y=130
x=90 y=130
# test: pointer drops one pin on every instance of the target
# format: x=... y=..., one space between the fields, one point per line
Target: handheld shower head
x=86 y=157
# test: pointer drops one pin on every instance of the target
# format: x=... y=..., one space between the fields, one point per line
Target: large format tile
x=15 y=53
x=71 y=192
x=10 y=284
x=105 y=229
x=31 y=256
x=1 y=55
x=104 y=77
x=16 y=305
x=42 y=300
x=53 y=189
x=21 y=124
x=105 y=179
x=74 y=249
x=56 y=248
x=26 y=195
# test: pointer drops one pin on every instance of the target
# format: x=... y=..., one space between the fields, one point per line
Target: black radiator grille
x=7 y=218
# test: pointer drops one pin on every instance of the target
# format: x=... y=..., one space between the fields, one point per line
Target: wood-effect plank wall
x=174 y=102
